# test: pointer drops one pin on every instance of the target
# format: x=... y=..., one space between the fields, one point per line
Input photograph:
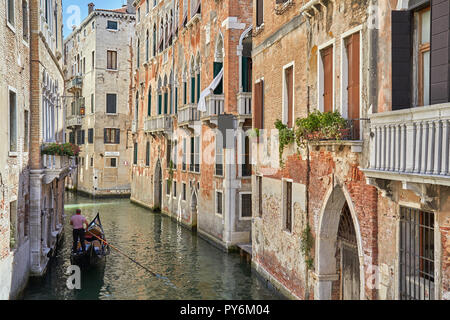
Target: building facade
x=191 y=57
x=14 y=155
x=364 y=215
x=31 y=183
x=98 y=58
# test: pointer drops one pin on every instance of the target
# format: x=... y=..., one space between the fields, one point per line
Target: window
x=112 y=25
x=246 y=205
x=139 y=15
x=138 y=52
x=26 y=134
x=111 y=103
x=169 y=153
x=147 y=6
x=259 y=12
x=72 y=137
x=111 y=60
x=12 y=121
x=92 y=104
x=93 y=25
x=326 y=79
x=10 y=11
x=259 y=105
x=219 y=202
x=147 y=154
x=168 y=187
x=351 y=81
x=260 y=195
x=184 y=191
x=175 y=154
x=193 y=89
x=25 y=20
x=135 y=154
x=92 y=162
x=287 y=205
x=424 y=55
x=80 y=137
x=185 y=93
x=91 y=135
x=195 y=155
x=219 y=153
x=416 y=254
x=288 y=96
x=111 y=162
x=246 y=166
x=93 y=60
x=111 y=136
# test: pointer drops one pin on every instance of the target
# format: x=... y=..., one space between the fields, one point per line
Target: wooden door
x=350 y=273
x=353 y=54
x=327 y=59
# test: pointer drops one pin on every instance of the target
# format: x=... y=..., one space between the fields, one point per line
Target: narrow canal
x=195 y=268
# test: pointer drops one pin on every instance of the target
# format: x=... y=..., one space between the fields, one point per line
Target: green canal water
x=194 y=268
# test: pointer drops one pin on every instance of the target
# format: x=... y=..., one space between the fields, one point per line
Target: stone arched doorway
x=157 y=193
x=339 y=250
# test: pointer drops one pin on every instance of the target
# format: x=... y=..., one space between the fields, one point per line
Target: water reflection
x=196 y=269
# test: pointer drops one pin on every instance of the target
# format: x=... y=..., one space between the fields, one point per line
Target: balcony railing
x=56 y=167
x=159 y=123
x=75 y=83
x=188 y=114
x=214 y=106
x=411 y=142
x=74 y=121
x=244 y=103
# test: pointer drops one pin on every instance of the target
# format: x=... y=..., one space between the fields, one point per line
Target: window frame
x=111 y=113
x=112 y=29
x=216 y=203
x=284 y=205
x=107 y=142
x=241 y=194
x=321 y=76
x=116 y=60
x=11 y=25
x=110 y=158
x=284 y=98
x=13 y=153
x=422 y=49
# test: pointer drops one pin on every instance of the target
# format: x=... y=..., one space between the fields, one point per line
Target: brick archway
x=326 y=242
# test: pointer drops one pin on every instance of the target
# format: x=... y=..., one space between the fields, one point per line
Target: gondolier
x=77 y=221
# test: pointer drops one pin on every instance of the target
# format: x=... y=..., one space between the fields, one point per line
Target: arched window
x=192 y=80
x=218 y=62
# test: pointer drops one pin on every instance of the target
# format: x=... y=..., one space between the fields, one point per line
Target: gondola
x=96 y=250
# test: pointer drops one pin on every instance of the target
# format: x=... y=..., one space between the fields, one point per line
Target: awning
x=202 y=101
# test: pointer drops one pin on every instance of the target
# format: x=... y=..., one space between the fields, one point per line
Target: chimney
x=130 y=8
x=91 y=7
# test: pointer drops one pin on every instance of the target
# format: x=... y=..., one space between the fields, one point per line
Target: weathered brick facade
x=330 y=178
x=200 y=35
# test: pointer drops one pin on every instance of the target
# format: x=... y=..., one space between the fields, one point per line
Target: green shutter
x=198 y=87
x=176 y=100
x=165 y=102
x=192 y=89
x=185 y=93
x=217 y=68
x=159 y=103
x=245 y=75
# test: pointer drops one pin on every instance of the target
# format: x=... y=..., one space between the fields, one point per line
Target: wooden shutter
x=440 y=51
x=327 y=58
x=198 y=87
x=401 y=59
x=165 y=102
x=289 y=95
x=105 y=135
x=289 y=206
x=353 y=54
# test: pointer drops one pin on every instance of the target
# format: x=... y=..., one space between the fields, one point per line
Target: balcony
x=74 y=121
x=159 y=124
x=76 y=83
x=214 y=108
x=244 y=100
x=411 y=145
x=188 y=115
x=56 y=167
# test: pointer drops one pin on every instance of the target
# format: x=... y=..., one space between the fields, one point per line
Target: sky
x=74 y=11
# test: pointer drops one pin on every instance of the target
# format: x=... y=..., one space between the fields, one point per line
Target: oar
x=125 y=255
